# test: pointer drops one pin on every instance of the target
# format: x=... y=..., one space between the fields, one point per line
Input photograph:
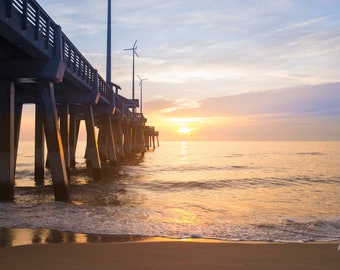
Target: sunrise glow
x=222 y=78
x=184 y=130
x=185 y=126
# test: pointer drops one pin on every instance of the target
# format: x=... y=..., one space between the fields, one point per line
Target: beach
x=172 y=254
x=53 y=249
x=255 y=205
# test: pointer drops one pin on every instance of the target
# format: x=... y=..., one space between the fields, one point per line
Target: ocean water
x=242 y=191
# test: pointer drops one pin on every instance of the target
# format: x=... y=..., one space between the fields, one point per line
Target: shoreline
x=69 y=251
x=12 y=237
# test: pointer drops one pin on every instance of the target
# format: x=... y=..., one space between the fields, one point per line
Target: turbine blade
x=135 y=43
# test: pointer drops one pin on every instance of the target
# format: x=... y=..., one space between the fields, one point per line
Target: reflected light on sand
x=10 y=237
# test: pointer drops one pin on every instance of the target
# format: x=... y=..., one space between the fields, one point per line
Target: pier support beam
x=56 y=157
x=92 y=153
x=17 y=124
x=39 y=148
x=118 y=136
x=133 y=139
x=153 y=142
x=74 y=131
x=110 y=140
x=106 y=142
x=7 y=135
x=102 y=142
x=140 y=139
x=64 y=130
x=127 y=139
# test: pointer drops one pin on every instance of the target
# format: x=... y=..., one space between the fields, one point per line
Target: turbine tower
x=141 y=93
x=133 y=49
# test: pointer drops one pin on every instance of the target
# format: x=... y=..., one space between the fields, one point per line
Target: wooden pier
x=150 y=135
x=40 y=65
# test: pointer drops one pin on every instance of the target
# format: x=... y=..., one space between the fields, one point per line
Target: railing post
x=24 y=15
x=37 y=23
x=95 y=79
x=58 y=54
x=48 y=30
x=58 y=44
x=9 y=8
x=96 y=86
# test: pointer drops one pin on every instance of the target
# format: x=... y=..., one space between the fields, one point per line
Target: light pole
x=108 y=46
x=141 y=93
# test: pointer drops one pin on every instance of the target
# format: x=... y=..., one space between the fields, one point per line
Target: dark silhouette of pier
x=41 y=66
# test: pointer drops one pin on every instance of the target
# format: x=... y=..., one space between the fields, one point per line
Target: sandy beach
x=172 y=254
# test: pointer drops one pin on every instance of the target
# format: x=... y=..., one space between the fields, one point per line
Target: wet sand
x=156 y=253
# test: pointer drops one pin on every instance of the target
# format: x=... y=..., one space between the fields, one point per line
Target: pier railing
x=42 y=28
x=78 y=65
x=136 y=116
x=34 y=16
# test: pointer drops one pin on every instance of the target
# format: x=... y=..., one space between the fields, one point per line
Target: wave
x=310 y=153
x=143 y=222
x=216 y=184
x=305 y=230
x=21 y=174
x=200 y=168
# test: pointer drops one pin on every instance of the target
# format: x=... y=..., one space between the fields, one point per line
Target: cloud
x=181 y=104
x=217 y=53
x=300 y=113
x=77 y=18
x=209 y=48
x=305 y=101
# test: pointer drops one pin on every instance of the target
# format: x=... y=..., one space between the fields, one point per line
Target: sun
x=185 y=127
x=184 y=130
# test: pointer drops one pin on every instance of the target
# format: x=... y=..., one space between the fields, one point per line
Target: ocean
x=232 y=191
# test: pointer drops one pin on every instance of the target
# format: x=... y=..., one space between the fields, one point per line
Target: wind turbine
x=141 y=92
x=133 y=49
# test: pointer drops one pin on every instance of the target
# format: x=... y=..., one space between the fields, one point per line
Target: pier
x=40 y=65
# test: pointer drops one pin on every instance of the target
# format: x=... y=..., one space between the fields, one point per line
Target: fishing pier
x=40 y=65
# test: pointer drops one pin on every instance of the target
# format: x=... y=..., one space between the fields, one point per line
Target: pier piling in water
x=53 y=140
x=149 y=137
x=7 y=158
x=39 y=154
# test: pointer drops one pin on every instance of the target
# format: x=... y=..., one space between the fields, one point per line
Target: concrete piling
x=39 y=145
x=7 y=157
x=53 y=140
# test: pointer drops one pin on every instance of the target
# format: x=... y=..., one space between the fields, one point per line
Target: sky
x=206 y=61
